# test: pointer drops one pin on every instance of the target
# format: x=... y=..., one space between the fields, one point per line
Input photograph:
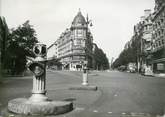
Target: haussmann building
x=158 y=50
x=74 y=46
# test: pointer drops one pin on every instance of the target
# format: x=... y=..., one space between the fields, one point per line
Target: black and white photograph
x=82 y=58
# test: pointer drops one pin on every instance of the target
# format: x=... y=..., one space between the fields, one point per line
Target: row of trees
x=101 y=61
x=130 y=54
x=16 y=44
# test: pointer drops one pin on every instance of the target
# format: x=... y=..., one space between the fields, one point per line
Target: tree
x=101 y=61
x=130 y=54
x=21 y=42
x=4 y=32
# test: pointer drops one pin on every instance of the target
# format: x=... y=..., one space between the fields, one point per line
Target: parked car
x=122 y=68
x=131 y=67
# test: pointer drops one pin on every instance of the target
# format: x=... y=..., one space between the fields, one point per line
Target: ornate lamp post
x=88 y=22
x=85 y=63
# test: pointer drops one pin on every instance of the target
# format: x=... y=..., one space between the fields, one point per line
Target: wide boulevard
x=118 y=94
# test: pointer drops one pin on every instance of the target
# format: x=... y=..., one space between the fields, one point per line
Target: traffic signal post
x=38 y=103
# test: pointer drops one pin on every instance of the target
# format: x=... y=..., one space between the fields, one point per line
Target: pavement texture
x=119 y=94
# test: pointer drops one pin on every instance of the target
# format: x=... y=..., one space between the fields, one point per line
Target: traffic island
x=38 y=103
x=27 y=107
x=84 y=87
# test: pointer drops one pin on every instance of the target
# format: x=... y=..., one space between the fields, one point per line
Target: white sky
x=113 y=20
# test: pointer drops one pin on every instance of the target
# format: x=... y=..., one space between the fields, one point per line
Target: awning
x=158 y=60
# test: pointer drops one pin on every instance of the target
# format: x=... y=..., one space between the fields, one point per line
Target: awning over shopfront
x=158 y=60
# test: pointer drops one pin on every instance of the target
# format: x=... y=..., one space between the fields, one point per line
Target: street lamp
x=88 y=22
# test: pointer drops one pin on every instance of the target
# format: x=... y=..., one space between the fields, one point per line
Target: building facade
x=52 y=51
x=146 y=38
x=158 y=37
x=75 y=44
x=141 y=41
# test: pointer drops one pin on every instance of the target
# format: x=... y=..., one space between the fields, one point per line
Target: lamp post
x=88 y=22
x=85 y=63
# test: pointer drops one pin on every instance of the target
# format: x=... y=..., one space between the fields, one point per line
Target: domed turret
x=79 y=20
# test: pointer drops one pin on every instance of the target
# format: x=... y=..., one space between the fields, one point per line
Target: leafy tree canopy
x=20 y=44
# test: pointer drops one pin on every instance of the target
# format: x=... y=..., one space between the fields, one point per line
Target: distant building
x=75 y=44
x=52 y=51
x=158 y=37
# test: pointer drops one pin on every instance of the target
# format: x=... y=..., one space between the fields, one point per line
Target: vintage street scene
x=81 y=58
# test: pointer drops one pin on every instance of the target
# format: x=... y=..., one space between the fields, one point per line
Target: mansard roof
x=79 y=19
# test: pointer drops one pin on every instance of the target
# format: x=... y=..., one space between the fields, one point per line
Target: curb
x=88 y=87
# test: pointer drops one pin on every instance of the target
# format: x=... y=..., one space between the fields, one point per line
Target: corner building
x=74 y=46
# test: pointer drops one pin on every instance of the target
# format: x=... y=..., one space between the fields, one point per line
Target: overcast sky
x=113 y=20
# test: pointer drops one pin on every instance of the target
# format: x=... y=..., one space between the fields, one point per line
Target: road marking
x=11 y=115
x=115 y=95
x=110 y=112
x=133 y=114
x=95 y=111
x=79 y=109
x=123 y=113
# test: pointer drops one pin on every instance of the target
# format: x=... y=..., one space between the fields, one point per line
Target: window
x=77 y=42
x=161 y=20
x=159 y=23
x=156 y=35
x=79 y=33
x=163 y=42
x=159 y=43
x=156 y=44
x=162 y=31
x=159 y=33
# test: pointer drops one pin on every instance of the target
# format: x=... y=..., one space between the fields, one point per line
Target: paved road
x=118 y=94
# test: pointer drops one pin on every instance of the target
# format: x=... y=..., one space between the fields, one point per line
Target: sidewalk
x=161 y=75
